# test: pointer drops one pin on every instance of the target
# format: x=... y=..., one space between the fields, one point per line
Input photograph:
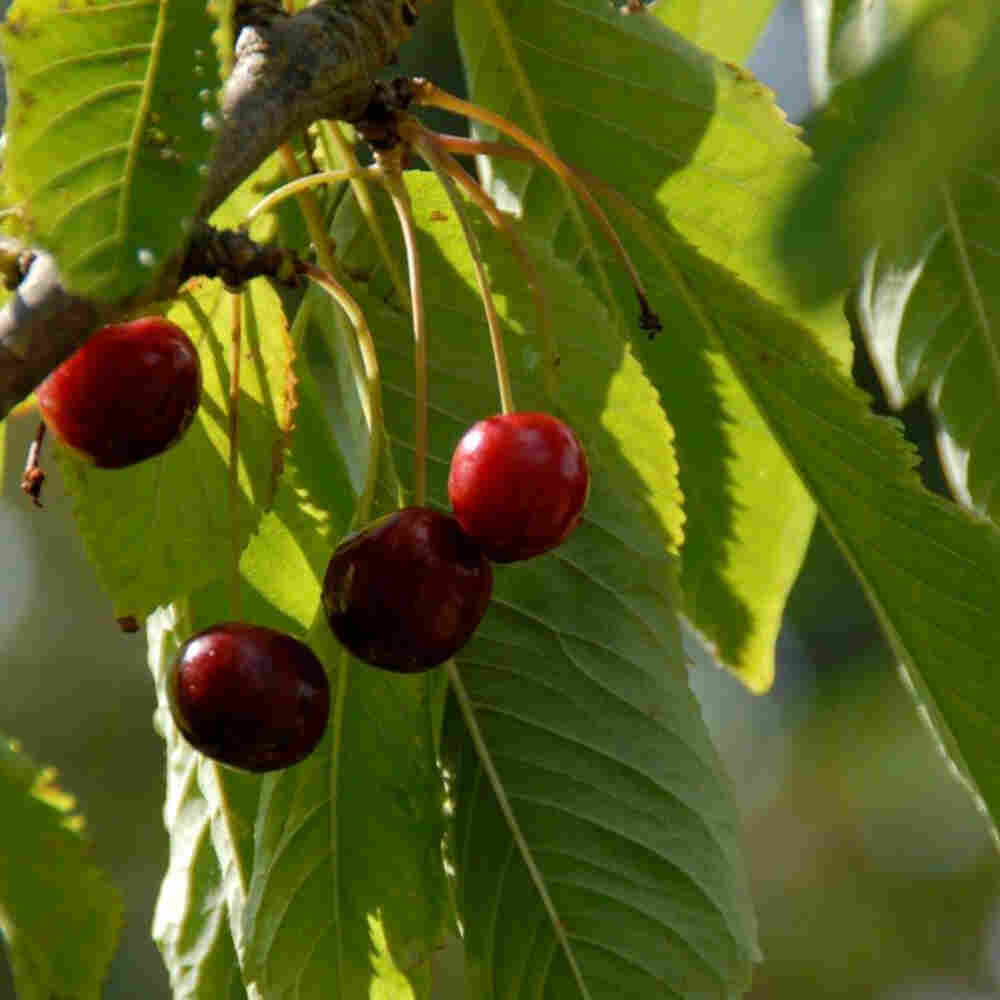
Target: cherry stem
x=360 y=348
x=463 y=146
x=486 y=760
x=428 y=94
x=31 y=481
x=404 y=212
x=359 y=186
x=308 y=205
x=427 y=150
x=328 y=262
x=502 y=224
x=234 y=454
x=371 y=384
x=305 y=183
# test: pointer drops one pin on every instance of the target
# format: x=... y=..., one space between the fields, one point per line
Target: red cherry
x=127 y=394
x=408 y=591
x=249 y=696
x=518 y=484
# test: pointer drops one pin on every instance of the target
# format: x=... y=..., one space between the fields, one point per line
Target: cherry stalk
x=426 y=93
x=404 y=213
x=429 y=153
x=411 y=129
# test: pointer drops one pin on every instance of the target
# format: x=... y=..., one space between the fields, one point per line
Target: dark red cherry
x=249 y=696
x=408 y=591
x=127 y=394
x=518 y=484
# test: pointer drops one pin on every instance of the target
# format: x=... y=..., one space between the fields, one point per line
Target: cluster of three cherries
x=405 y=594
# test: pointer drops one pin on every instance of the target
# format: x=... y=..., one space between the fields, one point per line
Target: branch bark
x=288 y=72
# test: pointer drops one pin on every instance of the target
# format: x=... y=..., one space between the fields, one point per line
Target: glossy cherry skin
x=127 y=394
x=518 y=484
x=249 y=696
x=406 y=593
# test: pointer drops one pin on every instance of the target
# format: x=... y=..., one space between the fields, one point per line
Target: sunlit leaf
x=109 y=127
x=728 y=30
x=702 y=148
x=59 y=914
x=914 y=553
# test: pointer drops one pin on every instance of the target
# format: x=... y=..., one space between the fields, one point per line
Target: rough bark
x=288 y=71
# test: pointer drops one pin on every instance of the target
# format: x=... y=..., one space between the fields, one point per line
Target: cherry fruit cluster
x=408 y=591
x=404 y=594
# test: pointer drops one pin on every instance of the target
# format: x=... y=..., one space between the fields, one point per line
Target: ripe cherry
x=127 y=394
x=408 y=591
x=518 y=484
x=249 y=696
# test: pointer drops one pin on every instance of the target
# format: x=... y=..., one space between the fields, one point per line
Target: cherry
x=408 y=591
x=249 y=696
x=127 y=394
x=518 y=484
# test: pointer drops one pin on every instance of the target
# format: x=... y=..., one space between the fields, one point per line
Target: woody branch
x=288 y=72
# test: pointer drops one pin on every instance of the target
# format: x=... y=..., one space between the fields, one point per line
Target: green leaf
x=576 y=673
x=324 y=879
x=142 y=524
x=701 y=148
x=109 y=126
x=929 y=570
x=931 y=328
x=889 y=140
x=725 y=29
x=59 y=914
x=912 y=552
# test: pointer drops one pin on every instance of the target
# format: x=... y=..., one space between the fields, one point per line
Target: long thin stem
x=426 y=149
x=503 y=225
x=236 y=300
x=371 y=400
x=404 y=212
x=331 y=131
x=360 y=348
x=308 y=206
x=305 y=183
x=428 y=94
x=464 y=146
x=486 y=760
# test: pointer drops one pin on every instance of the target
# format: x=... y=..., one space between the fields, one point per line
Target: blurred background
x=873 y=875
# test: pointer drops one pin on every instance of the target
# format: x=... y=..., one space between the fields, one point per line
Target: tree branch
x=289 y=71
